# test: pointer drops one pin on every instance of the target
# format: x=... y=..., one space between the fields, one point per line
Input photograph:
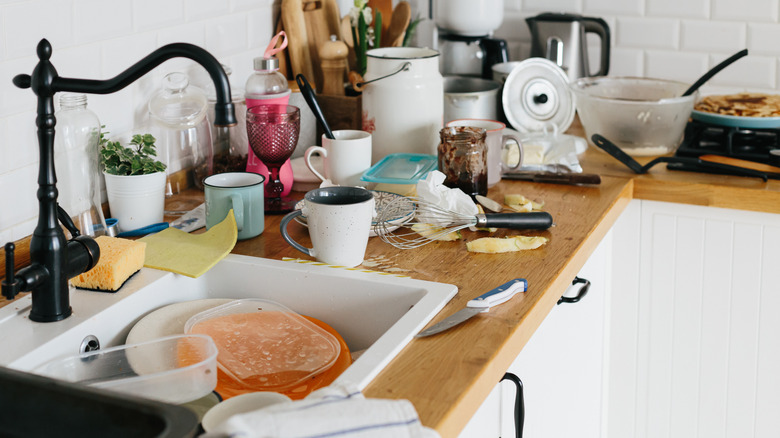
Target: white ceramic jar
x=403 y=111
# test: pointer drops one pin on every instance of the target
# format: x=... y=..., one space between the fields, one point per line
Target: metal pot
x=470 y=98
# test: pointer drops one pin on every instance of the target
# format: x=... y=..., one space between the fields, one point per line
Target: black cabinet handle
x=519 y=403
x=582 y=292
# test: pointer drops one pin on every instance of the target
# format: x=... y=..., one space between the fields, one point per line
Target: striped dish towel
x=334 y=411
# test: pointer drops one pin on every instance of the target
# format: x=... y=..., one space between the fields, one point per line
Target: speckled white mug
x=339 y=221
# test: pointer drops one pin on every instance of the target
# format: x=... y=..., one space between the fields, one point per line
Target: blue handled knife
x=481 y=304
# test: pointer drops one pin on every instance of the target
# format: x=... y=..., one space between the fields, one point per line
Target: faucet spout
x=53 y=259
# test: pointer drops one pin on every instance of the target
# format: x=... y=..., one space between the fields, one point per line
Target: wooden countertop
x=447 y=376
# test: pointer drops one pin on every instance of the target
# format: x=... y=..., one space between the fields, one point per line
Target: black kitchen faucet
x=53 y=259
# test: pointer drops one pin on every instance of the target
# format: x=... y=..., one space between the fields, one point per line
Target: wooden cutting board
x=309 y=24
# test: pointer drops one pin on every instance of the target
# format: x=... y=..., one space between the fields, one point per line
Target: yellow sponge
x=119 y=259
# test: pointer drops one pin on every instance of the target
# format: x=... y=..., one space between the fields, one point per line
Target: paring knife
x=482 y=303
x=555 y=178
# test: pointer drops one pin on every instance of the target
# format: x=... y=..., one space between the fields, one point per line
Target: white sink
x=375 y=312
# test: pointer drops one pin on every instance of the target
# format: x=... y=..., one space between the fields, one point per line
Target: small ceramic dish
x=381 y=199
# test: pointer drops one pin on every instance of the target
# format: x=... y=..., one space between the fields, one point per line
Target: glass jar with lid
x=180 y=125
x=229 y=143
x=462 y=155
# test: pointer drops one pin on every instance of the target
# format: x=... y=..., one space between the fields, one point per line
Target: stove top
x=759 y=145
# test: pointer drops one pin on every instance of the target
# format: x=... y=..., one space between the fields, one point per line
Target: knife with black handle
x=556 y=178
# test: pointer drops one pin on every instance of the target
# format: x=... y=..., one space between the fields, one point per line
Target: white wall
x=675 y=39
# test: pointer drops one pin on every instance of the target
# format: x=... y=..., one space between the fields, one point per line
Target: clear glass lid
x=177 y=104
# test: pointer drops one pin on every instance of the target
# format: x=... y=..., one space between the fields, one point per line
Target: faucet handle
x=10 y=285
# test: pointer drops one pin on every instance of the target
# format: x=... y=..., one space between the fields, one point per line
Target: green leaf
x=134 y=160
x=377 y=29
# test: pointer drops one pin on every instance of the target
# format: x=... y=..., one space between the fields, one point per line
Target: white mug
x=496 y=142
x=339 y=220
x=345 y=158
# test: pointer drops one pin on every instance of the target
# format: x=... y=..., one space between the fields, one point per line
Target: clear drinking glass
x=273 y=134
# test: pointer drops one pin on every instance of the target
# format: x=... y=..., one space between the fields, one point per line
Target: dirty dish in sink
x=176 y=369
x=381 y=199
x=265 y=346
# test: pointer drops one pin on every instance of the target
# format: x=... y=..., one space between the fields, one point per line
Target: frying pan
x=736 y=121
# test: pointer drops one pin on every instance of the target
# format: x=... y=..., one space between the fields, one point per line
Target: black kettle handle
x=600 y=28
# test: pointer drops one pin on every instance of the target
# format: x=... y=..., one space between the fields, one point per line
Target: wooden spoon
x=399 y=22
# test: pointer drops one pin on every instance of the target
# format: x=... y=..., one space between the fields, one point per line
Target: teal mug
x=243 y=193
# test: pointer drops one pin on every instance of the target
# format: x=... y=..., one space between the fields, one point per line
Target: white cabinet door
x=560 y=367
x=695 y=334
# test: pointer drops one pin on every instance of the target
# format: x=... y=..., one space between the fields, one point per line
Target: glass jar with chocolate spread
x=463 y=159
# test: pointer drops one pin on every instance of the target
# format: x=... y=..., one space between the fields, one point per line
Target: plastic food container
x=174 y=369
x=264 y=346
x=644 y=117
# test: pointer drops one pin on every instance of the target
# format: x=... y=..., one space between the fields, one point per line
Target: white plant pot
x=136 y=200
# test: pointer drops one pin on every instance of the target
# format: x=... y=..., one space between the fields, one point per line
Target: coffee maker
x=465 y=42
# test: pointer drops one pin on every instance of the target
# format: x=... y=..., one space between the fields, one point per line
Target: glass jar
x=76 y=163
x=183 y=132
x=463 y=159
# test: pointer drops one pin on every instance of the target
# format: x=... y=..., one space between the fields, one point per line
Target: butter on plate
x=190 y=254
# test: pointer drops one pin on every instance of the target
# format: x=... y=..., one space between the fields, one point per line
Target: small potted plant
x=135 y=181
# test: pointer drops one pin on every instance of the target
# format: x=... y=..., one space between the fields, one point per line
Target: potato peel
x=435 y=232
x=520 y=203
x=496 y=245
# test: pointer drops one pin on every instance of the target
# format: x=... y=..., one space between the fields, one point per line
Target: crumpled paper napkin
x=432 y=189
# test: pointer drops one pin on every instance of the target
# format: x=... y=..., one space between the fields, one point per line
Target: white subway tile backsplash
x=626 y=62
x=531 y=7
x=258 y=23
x=100 y=19
x=613 y=7
x=678 y=9
x=166 y=13
x=762 y=38
x=227 y=35
x=205 y=9
x=118 y=54
x=514 y=27
x=12 y=99
x=21 y=36
x=745 y=10
x=23 y=149
x=713 y=36
x=683 y=67
x=748 y=72
x=77 y=62
x=648 y=33
x=193 y=33
x=18 y=193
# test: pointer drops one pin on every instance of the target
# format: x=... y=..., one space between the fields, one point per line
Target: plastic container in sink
x=174 y=369
x=265 y=346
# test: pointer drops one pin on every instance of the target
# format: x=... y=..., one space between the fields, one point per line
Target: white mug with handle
x=345 y=158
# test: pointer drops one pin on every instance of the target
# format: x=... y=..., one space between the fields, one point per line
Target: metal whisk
x=412 y=222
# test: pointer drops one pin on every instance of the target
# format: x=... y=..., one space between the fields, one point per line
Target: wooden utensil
x=346 y=36
x=402 y=16
x=309 y=24
x=386 y=8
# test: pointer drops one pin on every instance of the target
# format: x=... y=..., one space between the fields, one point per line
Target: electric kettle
x=560 y=37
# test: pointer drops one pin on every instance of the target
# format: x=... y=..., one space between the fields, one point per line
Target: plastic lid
x=401 y=168
x=266 y=63
x=264 y=345
x=177 y=104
